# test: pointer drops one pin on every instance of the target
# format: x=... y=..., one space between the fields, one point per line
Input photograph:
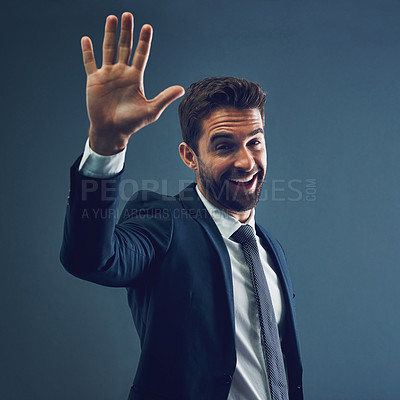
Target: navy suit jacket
x=168 y=253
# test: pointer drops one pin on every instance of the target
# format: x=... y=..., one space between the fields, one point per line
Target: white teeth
x=242 y=180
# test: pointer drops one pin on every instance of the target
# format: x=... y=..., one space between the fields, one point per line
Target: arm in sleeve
x=95 y=247
x=97 y=166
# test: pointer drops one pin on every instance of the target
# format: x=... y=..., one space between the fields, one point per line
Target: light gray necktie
x=269 y=330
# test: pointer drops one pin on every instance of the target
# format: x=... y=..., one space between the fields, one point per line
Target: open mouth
x=244 y=183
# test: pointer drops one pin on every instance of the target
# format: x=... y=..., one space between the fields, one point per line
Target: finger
x=88 y=55
x=125 y=38
x=110 y=40
x=143 y=49
x=165 y=98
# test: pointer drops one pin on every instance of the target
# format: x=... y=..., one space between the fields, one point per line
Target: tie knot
x=244 y=234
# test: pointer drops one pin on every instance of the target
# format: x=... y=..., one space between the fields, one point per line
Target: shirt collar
x=226 y=224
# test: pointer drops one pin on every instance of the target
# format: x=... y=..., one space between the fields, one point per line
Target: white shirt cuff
x=95 y=165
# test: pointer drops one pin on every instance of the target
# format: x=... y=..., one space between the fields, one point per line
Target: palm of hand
x=116 y=102
x=117 y=106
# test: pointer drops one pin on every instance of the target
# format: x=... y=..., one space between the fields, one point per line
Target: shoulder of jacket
x=146 y=202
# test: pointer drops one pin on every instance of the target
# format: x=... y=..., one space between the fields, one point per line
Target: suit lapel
x=194 y=206
x=279 y=258
x=277 y=254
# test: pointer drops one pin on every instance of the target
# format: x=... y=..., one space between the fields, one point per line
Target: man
x=214 y=312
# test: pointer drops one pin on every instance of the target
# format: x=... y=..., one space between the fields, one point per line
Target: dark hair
x=210 y=94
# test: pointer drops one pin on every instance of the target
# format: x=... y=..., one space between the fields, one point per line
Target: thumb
x=166 y=97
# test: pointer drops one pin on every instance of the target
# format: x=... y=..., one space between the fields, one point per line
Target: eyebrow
x=230 y=135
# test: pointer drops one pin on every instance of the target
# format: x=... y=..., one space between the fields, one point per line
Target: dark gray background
x=331 y=70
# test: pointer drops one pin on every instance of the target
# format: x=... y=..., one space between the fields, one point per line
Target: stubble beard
x=221 y=192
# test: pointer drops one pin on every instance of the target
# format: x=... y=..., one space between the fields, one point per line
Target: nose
x=244 y=160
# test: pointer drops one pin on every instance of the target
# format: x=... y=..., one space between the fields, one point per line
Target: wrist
x=103 y=144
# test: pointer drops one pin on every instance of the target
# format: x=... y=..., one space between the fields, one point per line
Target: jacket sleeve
x=96 y=248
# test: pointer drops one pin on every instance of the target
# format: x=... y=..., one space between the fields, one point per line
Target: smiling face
x=231 y=160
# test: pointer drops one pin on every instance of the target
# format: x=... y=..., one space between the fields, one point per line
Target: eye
x=255 y=142
x=223 y=147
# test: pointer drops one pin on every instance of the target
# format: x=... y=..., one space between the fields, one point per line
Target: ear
x=188 y=156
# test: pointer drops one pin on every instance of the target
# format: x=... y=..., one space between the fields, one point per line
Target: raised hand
x=116 y=102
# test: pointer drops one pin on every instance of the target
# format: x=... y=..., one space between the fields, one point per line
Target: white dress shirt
x=95 y=165
x=250 y=380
